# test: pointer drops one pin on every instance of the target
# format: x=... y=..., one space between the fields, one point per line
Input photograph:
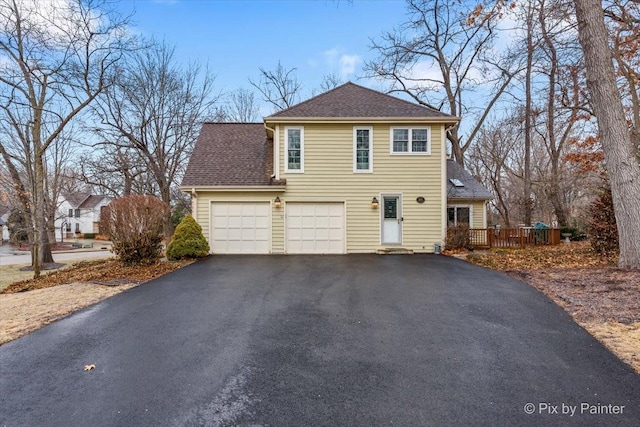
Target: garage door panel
x=240 y=228
x=322 y=222
x=248 y=221
x=315 y=228
x=262 y=235
x=336 y=234
x=322 y=234
x=308 y=234
x=262 y=222
x=233 y=210
x=336 y=222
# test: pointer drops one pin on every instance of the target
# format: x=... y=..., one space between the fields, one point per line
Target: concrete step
x=394 y=251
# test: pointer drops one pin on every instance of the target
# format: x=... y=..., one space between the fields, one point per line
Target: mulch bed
x=595 y=294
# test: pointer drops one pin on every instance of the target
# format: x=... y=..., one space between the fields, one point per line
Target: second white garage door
x=240 y=228
x=315 y=228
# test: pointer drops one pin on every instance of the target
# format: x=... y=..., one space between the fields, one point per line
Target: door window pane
x=390 y=208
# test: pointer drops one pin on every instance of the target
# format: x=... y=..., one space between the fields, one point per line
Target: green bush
x=188 y=241
x=134 y=225
x=89 y=236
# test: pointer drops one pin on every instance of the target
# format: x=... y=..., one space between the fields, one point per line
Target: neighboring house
x=349 y=171
x=79 y=213
x=4 y=217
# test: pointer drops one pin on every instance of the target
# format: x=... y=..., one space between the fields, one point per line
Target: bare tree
x=560 y=67
x=155 y=109
x=528 y=112
x=55 y=62
x=330 y=81
x=280 y=87
x=124 y=174
x=439 y=57
x=490 y=159
x=619 y=151
x=242 y=106
x=623 y=19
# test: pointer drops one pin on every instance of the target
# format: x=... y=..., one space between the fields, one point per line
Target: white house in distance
x=4 y=216
x=79 y=213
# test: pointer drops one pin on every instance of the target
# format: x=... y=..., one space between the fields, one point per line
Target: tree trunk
x=526 y=196
x=165 y=193
x=619 y=152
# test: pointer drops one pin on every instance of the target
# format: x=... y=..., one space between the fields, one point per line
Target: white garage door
x=315 y=228
x=240 y=228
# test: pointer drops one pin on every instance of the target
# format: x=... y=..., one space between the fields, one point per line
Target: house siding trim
x=382 y=120
x=443 y=183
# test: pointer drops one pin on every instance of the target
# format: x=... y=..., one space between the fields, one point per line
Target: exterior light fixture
x=374 y=203
x=277 y=203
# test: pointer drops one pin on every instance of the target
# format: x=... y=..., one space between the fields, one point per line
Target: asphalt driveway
x=328 y=341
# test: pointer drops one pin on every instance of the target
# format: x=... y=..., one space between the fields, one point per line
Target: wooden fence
x=512 y=237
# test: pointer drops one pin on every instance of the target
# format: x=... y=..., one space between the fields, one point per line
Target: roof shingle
x=231 y=154
x=92 y=201
x=471 y=188
x=75 y=199
x=352 y=100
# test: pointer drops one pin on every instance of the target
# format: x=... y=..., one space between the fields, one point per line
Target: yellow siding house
x=349 y=171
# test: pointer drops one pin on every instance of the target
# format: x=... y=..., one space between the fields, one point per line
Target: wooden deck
x=512 y=237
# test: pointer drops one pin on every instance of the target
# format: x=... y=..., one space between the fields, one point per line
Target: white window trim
x=410 y=144
x=355 y=149
x=286 y=149
x=461 y=206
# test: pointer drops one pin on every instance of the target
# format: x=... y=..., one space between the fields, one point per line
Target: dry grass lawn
x=602 y=298
x=28 y=305
x=24 y=312
x=10 y=274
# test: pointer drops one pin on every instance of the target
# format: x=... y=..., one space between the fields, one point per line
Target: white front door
x=391 y=219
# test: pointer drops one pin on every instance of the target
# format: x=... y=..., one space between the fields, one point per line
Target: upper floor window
x=411 y=140
x=77 y=213
x=70 y=213
x=362 y=149
x=294 y=149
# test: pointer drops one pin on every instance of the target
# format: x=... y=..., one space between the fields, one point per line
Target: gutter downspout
x=194 y=204
x=276 y=150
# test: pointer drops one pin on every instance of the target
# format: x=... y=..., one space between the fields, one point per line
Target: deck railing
x=511 y=237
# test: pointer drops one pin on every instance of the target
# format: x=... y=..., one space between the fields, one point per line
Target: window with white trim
x=458 y=215
x=294 y=150
x=362 y=149
x=411 y=140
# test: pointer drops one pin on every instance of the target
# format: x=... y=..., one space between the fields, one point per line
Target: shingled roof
x=92 y=201
x=352 y=100
x=231 y=154
x=470 y=189
x=76 y=198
